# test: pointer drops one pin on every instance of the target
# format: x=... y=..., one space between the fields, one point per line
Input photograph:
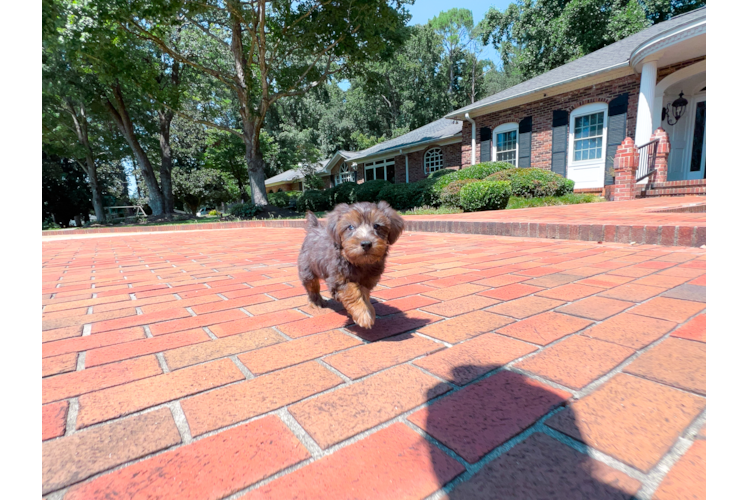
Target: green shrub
x=293 y=195
x=534 y=182
x=49 y=223
x=369 y=190
x=485 y=195
x=401 y=196
x=568 y=188
x=213 y=212
x=478 y=171
x=450 y=194
x=245 y=210
x=312 y=200
x=342 y=193
x=279 y=199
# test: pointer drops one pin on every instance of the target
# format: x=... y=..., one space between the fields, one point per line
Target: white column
x=657 y=117
x=645 y=111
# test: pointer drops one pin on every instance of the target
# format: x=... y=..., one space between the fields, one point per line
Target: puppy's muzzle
x=366 y=245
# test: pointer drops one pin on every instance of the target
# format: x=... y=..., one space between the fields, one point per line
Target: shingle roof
x=442 y=128
x=295 y=175
x=613 y=56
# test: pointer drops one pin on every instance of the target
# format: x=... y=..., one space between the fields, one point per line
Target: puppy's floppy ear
x=332 y=221
x=397 y=224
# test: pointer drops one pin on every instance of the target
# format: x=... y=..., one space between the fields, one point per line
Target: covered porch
x=672 y=96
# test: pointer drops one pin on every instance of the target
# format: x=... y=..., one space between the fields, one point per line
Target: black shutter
x=485 y=144
x=524 y=142
x=559 y=141
x=616 y=132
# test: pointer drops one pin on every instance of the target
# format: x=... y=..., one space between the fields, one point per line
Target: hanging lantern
x=676 y=111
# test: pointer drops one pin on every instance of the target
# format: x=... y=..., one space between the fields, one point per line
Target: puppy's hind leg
x=353 y=298
x=312 y=289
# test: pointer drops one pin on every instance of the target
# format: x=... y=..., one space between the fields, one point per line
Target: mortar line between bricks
x=348 y=380
x=242 y=367
x=180 y=420
x=162 y=362
x=81 y=361
x=301 y=434
x=72 y=416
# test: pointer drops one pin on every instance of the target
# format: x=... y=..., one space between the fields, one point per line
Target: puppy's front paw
x=365 y=319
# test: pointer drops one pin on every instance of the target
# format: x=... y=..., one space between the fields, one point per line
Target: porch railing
x=647 y=156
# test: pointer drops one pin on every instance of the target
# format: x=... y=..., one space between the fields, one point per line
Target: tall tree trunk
x=81 y=130
x=122 y=119
x=164 y=129
x=255 y=162
x=93 y=183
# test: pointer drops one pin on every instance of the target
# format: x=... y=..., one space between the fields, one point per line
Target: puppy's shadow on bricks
x=491 y=408
x=349 y=253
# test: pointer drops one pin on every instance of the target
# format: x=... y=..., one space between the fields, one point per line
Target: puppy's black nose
x=366 y=245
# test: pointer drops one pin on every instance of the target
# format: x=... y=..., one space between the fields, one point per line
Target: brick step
x=677 y=184
x=678 y=191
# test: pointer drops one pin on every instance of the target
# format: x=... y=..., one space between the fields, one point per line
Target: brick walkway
x=538 y=368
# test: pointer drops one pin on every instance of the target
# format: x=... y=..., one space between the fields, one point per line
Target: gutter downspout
x=472 y=148
x=407 y=178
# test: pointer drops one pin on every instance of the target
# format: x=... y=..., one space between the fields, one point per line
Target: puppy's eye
x=350 y=228
x=376 y=227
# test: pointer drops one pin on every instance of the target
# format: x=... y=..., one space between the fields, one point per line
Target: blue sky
x=423 y=10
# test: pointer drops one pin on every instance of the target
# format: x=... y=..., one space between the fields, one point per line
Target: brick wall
x=542 y=116
x=667 y=70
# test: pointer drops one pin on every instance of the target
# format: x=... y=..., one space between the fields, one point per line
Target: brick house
x=293 y=180
x=571 y=119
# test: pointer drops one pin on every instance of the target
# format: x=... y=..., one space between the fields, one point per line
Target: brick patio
x=656 y=221
x=194 y=369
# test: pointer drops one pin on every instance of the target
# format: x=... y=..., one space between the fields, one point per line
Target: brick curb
x=689 y=236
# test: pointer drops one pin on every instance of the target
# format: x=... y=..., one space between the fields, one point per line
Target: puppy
x=349 y=254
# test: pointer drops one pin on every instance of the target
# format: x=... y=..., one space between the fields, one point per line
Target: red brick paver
x=476 y=337
x=210 y=468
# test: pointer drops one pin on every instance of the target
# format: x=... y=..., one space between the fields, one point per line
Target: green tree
x=455 y=27
x=262 y=51
x=536 y=36
x=203 y=186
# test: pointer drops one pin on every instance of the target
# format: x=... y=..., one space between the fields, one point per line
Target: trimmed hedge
x=245 y=210
x=485 y=195
x=342 y=193
x=450 y=195
x=534 y=182
x=369 y=191
x=478 y=171
x=313 y=200
x=279 y=199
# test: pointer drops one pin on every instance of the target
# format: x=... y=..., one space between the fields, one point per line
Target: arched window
x=433 y=160
x=505 y=143
x=345 y=174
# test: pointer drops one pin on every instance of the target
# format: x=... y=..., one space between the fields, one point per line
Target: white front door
x=681 y=164
x=588 y=130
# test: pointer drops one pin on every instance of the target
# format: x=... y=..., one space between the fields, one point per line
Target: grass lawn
x=547 y=201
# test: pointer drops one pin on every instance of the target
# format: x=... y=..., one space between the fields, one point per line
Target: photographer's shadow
x=476 y=420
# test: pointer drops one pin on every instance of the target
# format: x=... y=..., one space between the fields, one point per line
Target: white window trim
x=425 y=168
x=501 y=129
x=348 y=171
x=587 y=109
x=376 y=164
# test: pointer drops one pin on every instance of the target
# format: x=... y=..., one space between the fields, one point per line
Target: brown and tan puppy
x=349 y=254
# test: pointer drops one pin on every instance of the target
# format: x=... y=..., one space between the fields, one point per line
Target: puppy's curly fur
x=349 y=254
